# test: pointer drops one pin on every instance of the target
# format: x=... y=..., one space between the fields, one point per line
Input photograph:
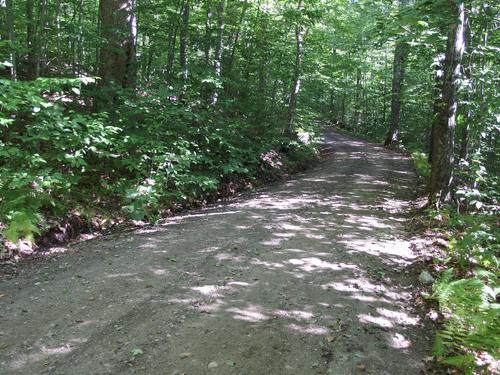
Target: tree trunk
x=398 y=77
x=295 y=87
x=218 y=52
x=208 y=32
x=236 y=38
x=183 y=50
x=464 y=136
x=35 y=33
x=444 y=127
x=438 y=78
x=118 y=65
x=10 y=35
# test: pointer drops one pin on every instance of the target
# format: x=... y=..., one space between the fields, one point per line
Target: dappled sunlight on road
x=319 y=257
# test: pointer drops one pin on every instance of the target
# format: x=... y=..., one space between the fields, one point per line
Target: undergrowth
x=467 y=289
x=151 y=154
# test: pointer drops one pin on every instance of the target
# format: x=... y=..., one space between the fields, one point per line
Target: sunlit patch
x=210 y=307
x=313 y=264
x=125 y=274
x=65 y=349
x=43 y=352
x=209 y=249
x=284 y=235
x=252 y=314
x=293 y=251
x=399 y=248
x=209 y=290
x=183 y=301
x=371 y=222
x=270 y=265
x=273 y=242
x=293 y=314
x=372 y=298
x=239 y=283
x=398 y=317
x=398 y=341
x=158 y=271
x=231 y=257
x=309 y=329
x=378 y=320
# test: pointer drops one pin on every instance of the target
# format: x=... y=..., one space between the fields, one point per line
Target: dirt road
x=303 y=277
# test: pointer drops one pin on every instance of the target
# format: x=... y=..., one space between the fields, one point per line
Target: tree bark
x=295 y=87
x=208 y=32
x=398 y=77
x=34 y=38
x=218 y=52
x=183 y=49
x=118 y=64
x=236 y=38
x=444 y=127
x=10 y=35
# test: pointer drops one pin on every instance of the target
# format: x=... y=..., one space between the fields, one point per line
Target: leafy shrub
x=148 y=155
x=48 y=150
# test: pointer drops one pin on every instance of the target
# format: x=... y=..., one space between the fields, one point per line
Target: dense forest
x=136 y=108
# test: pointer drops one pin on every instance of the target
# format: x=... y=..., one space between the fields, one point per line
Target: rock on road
x=302 y=277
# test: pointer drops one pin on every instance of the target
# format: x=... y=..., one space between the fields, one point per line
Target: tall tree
x=9 y=21
x=444 y=127
x=398 y=76
x=35 y=37
x=117 y=56
x=295 y=87
x=183 y=49
x=218 y=51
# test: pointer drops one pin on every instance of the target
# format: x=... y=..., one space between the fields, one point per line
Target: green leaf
x=137 y=351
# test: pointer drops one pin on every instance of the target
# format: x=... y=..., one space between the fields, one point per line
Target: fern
x=22 y=224
x=472 y=318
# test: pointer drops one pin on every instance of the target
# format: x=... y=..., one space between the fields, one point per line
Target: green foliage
x=472 y=318
x=476 y=240
x=47 y=150
x=421 y=164
x=54 y=156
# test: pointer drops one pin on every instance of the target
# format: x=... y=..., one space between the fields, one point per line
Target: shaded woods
x=132 y=109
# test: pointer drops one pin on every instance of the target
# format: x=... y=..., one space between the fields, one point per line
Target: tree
x=35 y=32
x=295 y=86
x=398 y=76
x=9 y=23
x=444 y=127
x=183 y=49
x=218 y=51
x=117 y=56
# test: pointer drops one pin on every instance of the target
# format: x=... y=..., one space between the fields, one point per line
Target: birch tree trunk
x=444 y=127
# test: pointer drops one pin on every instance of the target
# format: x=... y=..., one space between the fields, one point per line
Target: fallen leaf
x=331 y=338
x=185 y=355
x=213 y=365
x=137 y=351
x=361 y=367
x=231 y=363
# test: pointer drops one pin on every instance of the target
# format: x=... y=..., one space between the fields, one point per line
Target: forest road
x=302 y=277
